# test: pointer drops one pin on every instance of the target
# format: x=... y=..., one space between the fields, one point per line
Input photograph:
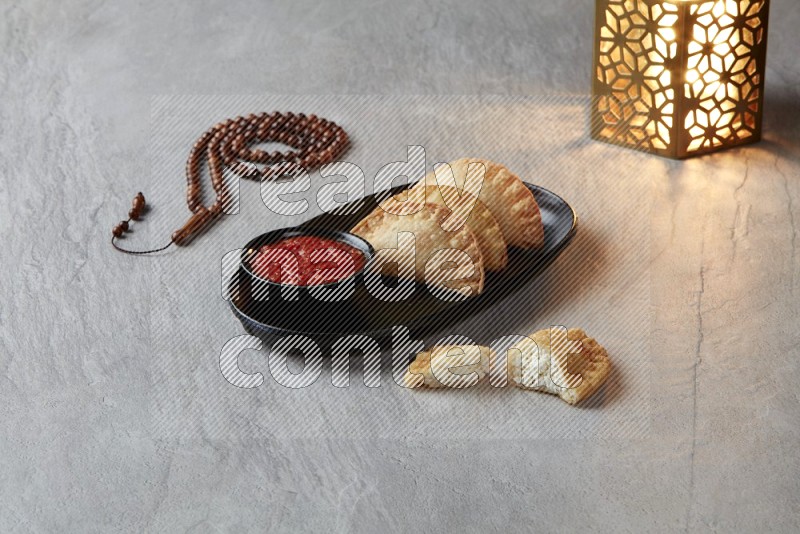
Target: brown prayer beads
x=227 y=145
x=134 y=213
x=138 y=206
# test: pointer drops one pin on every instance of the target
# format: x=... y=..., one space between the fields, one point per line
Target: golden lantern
x=679 y=78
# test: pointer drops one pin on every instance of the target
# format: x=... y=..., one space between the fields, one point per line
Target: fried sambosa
x=511 y=203
x=463 y=209
x=451 y=260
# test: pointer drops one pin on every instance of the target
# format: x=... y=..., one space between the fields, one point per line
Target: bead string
x=228 y=145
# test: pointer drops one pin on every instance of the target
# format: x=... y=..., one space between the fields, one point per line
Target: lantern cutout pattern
x=679 y=78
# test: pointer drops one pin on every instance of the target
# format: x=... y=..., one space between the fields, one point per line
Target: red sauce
x=307 y=261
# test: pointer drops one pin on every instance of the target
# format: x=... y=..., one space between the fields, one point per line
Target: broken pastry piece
x=451 y=366
x=567 y=363
x=571 y=364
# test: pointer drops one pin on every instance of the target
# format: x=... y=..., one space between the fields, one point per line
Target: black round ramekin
x=263 y=298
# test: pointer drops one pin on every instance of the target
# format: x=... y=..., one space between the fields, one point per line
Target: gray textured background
x=77 y=450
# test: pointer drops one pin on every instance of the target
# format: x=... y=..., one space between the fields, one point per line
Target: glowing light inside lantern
x=712 y=47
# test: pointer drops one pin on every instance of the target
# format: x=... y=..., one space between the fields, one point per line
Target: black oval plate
x=421 y=312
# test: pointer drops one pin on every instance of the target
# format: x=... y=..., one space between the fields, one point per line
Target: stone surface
x=80 y=448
